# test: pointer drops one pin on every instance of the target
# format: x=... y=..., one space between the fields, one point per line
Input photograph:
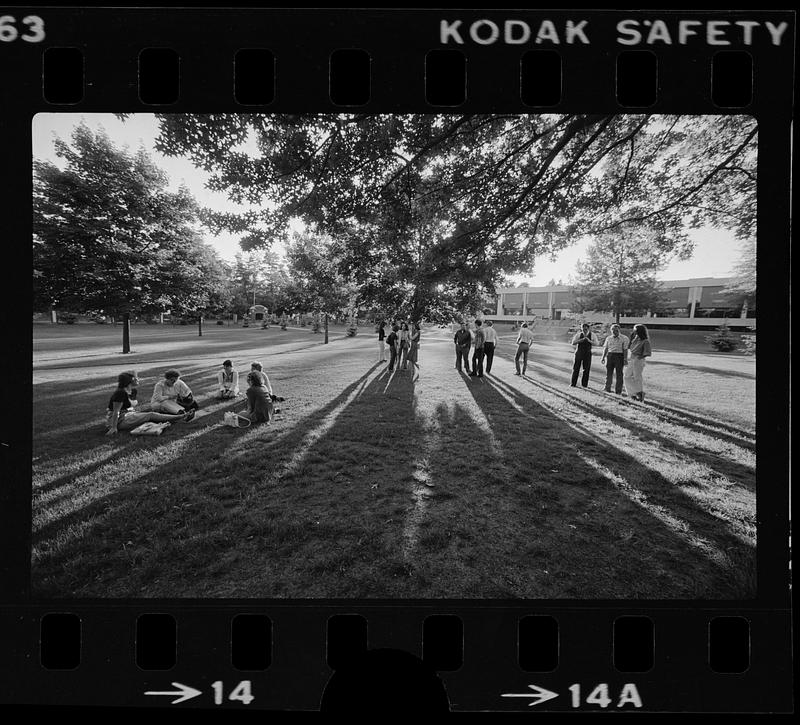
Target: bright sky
x=715 y=252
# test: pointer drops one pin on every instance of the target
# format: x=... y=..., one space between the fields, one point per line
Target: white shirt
x=616 y=344
x=490 y=334
x=162 y=392
x=525 y=335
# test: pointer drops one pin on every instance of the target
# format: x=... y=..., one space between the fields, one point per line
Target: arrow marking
x=539 y=694
x=184 y=691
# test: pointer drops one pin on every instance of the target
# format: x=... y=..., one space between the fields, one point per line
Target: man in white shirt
x=168 y=394
x=489 y=343
x=615 y=349
x=524 y=340
x=583 y=341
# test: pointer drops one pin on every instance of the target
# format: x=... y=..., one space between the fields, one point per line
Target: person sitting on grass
x=172 y=395
x=228 y=381
x=121 y=417
x=259 y=398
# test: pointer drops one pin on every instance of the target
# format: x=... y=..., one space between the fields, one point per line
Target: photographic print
x=394 y=356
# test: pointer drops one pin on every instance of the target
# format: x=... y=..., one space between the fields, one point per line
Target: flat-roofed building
x=697 y=299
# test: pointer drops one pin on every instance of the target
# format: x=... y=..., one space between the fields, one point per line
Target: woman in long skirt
x=634 y=373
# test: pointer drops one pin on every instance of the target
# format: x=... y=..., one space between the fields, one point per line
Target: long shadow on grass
x=743 y=474
x=560 y=371
x=704 y=369
x=200 y=506
x=683 y=418
x=660 y=556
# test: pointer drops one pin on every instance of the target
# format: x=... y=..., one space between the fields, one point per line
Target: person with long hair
x=259 y=398
x=121 y=416
x=405 y=345
x=413 y=350
x=639 y=349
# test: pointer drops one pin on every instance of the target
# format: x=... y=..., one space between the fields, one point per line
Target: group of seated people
x=172 y=399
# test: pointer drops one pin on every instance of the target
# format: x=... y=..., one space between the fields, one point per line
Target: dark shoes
x=189 y=416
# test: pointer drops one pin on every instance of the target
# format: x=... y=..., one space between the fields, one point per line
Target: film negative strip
x=403 y=535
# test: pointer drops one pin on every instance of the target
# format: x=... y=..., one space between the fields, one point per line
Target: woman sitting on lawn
x=259 y=398
x=228 y=381
x=121 y=417
x=172 y=395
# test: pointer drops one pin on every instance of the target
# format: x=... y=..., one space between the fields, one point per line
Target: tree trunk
x=126 y=333
x=200 y=326
x=326 y=328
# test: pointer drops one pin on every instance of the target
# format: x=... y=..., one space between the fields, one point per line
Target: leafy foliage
x=430 y=211
x=619 y=272
x=108 y=235
x=722 y=340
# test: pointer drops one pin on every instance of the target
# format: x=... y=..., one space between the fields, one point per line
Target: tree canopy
x=108 y=234
x=619 y=271
x=433 y=209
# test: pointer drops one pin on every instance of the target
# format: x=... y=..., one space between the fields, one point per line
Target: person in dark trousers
x=463 y=340
x=391 y=341
x=489 y=344
x=615 y=350
x=477 y=356
x=381 y=342
x=583 y=341
x=524 y=340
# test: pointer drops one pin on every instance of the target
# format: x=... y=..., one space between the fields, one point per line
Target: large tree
x=109 y=236
x=619 y=271
x=454 y=203
x=743 y=282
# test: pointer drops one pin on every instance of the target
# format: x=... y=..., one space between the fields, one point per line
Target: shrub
x=352 y=330
x=748 y=344
x=67 y=318
x=722 y=340
x=220 y=322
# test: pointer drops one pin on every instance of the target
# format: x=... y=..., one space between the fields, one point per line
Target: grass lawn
x=419 y=484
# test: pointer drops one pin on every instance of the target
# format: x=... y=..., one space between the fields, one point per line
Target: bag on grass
x=149 y=429
x=187 y=402
x=234 y=420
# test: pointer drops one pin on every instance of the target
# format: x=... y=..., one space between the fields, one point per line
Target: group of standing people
x=482 y=339
x=403 y=343
x=617 y=349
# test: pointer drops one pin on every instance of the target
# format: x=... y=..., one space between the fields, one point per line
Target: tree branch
x=690 y=191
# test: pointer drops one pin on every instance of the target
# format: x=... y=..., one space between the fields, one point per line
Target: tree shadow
x=704 y=369
x=112 y=514
x=741 y=473
x=689 y=520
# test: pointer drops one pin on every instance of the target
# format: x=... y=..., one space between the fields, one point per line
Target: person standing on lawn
x=639 y=350
x=405 y=344
x=477 y=356
x=463 y=341
x=172 y=395
x=413 y=351
x=392 y=342
x=615 y=350
x=121 y=416
x=381 y=342
x=524 y=340
x=227 y=381
x=583 y=341
x=489 y=344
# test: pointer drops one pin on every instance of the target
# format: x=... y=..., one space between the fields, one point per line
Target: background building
x=697 y=301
